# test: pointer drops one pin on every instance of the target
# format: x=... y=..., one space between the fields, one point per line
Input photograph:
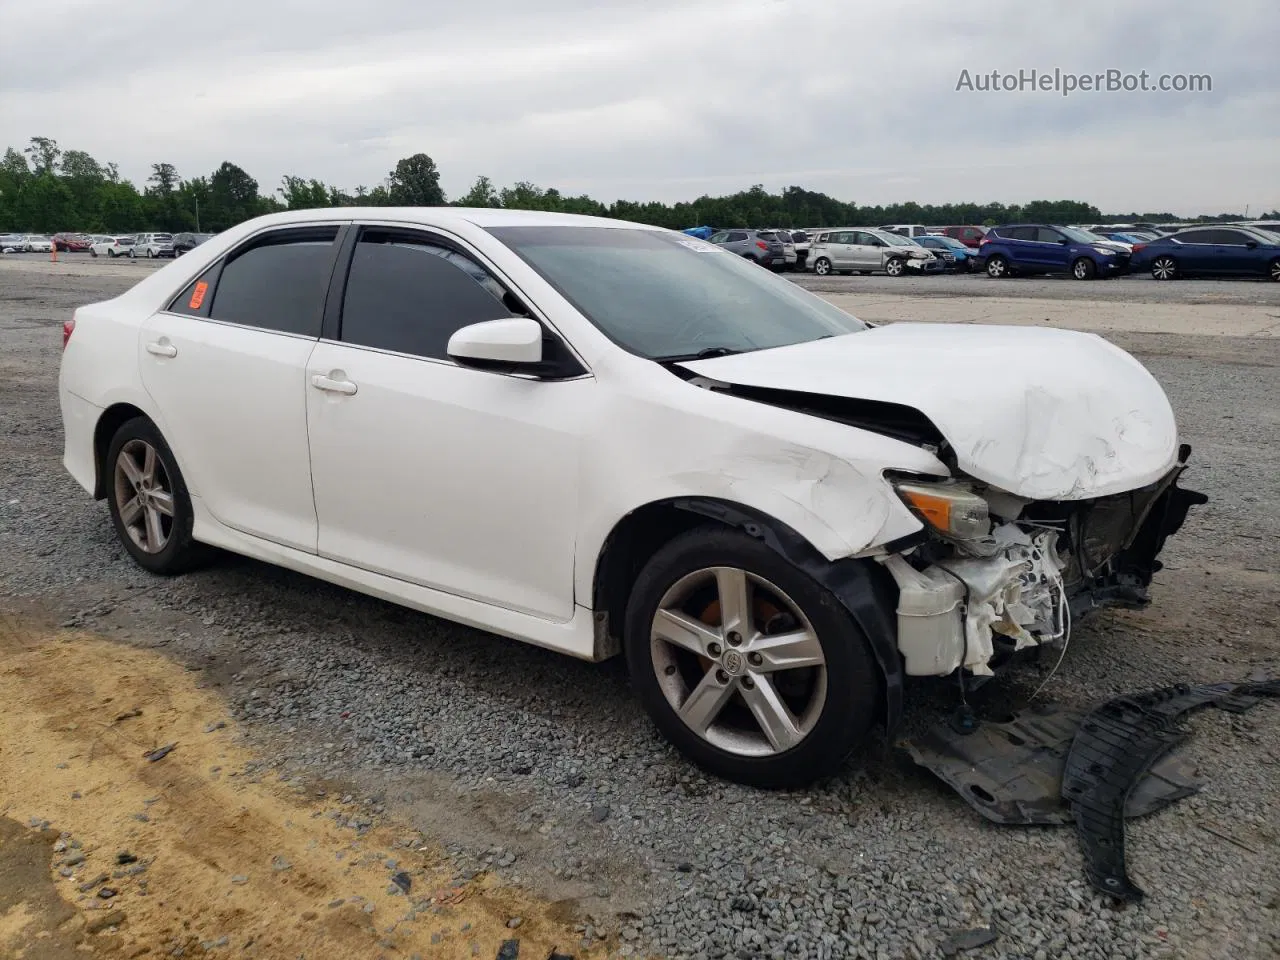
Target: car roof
x=444 y=216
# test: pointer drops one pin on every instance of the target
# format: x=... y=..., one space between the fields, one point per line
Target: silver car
x=152 y=245
x=762 y=246
x=869 y=251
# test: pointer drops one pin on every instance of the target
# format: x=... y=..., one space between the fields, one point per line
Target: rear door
x=226 y=367
x=1052 y=249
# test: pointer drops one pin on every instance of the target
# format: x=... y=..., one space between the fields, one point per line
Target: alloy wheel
x=1275 y=270
x=893 y=267
x=144 y=496
x=822 y=267
x=738 y=662
x=1164 y=269
x=996 y=267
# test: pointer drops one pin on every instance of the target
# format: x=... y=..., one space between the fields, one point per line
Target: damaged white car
x=602 y=437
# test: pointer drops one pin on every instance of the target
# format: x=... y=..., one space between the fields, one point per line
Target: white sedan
x=33 y=243
x=111 y=246
x=602 y=438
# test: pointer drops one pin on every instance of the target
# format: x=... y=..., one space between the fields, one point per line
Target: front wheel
x=746 y=664
x=1084 y=269
x=148 y=500
x=894 y=266
x=150 y=253
x=997 y=267
x=93 y=253
x=822 y=266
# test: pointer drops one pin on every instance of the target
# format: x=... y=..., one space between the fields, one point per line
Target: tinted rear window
x=279 y=283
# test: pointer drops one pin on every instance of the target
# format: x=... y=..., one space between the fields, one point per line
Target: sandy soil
x=228 y=856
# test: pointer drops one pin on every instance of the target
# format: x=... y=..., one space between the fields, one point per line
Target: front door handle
x=162 y=349
x=345 y=387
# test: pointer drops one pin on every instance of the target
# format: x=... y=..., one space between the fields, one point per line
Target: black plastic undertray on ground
x=1012 y=772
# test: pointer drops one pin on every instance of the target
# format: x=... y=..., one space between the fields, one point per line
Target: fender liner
x=864 y=589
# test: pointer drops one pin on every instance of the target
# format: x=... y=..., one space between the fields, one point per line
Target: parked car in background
x=186 y=242
x=1031 y=248
x=953 y=254
x=118 y=246
x=801 y=240
x=1211 y=252
x=151 y=245
x=1129 y=239
x=768 y=252
x=970 y=236
x=37 y=243
x=71 y=242
x=654 y=450
x=907 y=229
x=11 y=242
x=869 y=251
x=790 y=256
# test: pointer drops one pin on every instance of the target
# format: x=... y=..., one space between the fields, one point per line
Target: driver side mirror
x=1252 y=244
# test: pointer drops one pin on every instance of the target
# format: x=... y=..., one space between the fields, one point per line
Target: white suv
x=152 y=245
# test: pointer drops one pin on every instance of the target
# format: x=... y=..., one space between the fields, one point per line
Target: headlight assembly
x=952 y=510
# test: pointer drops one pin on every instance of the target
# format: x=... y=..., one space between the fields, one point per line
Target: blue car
x=1026 y=248
x=1211 y=252
x=954 y=254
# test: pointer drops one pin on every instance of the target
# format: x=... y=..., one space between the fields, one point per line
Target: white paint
x=518 y=340
x=487 y=498
x=1044 y=414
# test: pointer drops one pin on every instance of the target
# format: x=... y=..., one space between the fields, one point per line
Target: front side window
x=278 y=282
x=409 y=294
x=659 y=298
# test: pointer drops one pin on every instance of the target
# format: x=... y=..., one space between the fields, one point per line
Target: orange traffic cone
x=53 y=251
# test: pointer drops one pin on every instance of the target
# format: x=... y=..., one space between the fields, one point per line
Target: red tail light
x=68 y=328
x=985 y=240
x=762 y=245
x=1138 y=246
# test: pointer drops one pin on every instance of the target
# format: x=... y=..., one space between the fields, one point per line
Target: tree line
x=45 y=189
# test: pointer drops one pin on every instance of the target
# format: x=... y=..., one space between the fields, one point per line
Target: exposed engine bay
x=1008 y=573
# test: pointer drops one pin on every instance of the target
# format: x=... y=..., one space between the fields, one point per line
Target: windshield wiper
x=704 y=354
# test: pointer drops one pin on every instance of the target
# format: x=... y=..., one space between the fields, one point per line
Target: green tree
x=44 y=154
x=415 y=182
x=233 y=197
x=481 y=194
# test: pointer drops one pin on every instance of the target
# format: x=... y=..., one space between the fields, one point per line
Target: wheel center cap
x=733 y=661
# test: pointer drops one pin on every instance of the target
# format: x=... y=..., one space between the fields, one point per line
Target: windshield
x=1081 y=236
x=665 y=296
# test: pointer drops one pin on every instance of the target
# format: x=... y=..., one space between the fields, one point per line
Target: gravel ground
x=546 y=768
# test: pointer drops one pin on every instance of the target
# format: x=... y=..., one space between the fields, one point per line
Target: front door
x=458 y=479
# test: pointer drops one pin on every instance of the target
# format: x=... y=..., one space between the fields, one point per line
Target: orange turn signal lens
x=949 y=508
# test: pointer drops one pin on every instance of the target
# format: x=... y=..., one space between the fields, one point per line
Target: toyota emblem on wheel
x=732 y=662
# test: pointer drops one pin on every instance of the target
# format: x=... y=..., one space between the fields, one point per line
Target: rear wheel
x=148 y=500
x=1164 y=268
x=1084 y=269
x=1273 y=271
x=997 y=267
x=746 y=664
x=93 y=253
x=150 y=253
x=894 y=266
x=822 y=266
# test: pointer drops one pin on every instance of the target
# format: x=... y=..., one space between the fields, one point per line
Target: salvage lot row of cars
x=134 y=245
x=1225 y=250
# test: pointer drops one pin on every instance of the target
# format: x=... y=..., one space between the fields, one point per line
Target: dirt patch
x=199 y=849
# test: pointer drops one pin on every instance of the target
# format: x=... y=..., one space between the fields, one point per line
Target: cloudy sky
x=663 y=99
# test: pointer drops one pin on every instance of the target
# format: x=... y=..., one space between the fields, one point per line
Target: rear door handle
x=345 y=387
x=162 y=349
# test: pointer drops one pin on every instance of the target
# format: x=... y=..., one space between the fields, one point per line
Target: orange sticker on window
x=197 y=295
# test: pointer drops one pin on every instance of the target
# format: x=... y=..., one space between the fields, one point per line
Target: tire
x=132 y=255
x=1164 y=268
x=997 y=267
x=895 y=266
x=111 y=253
x=150 y=254
x=173 y=551
x=830 y=703
x=1273 y=270
x=822 y=266
x=93 y=253
x=1084 y=268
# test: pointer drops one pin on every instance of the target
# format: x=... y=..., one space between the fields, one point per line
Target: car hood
x=1040 y=413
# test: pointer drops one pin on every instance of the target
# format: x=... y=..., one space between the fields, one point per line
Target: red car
x=70 y=242
x=970 y=236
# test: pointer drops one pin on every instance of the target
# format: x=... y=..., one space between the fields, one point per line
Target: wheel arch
x=108 y=423
x=864 y=588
